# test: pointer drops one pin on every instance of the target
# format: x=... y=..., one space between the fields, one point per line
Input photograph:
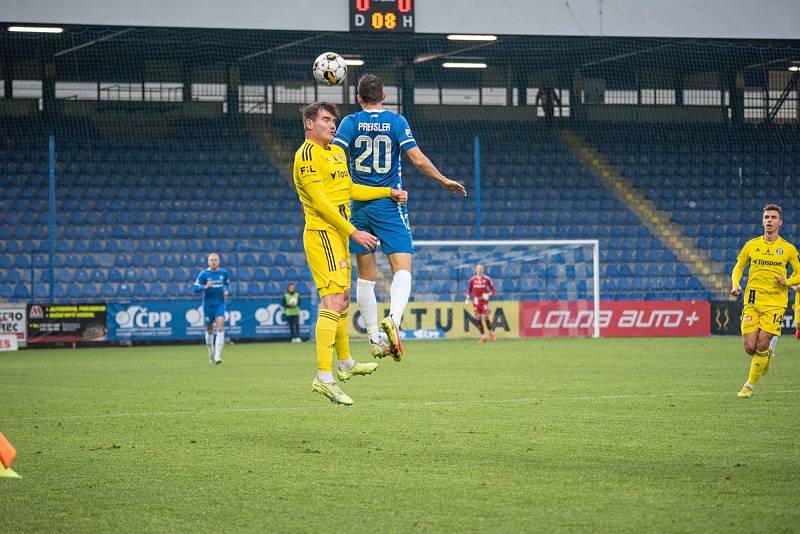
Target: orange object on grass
x=7 y=452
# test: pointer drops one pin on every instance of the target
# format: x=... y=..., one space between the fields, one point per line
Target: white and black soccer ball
x=330 y=69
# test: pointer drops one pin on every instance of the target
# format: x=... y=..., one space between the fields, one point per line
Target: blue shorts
x=385 y=219
x=212 y=310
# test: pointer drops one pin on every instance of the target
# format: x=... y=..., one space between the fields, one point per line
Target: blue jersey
x=219 y=285
x=373 y=141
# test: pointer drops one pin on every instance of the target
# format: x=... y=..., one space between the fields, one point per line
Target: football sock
x=400 y=291
x=210 y=343
x=326 y=377
x=758 y=365
x=327 y=324
x=368 y=306
x=342 y=342
x=489 y=324
x=480 y=327
x=773 y=342
x=349 y=363
x=218 y=345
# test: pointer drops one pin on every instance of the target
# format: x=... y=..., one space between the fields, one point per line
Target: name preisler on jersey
x=375 y=140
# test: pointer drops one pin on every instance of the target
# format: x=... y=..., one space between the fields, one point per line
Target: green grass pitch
x=554 y=435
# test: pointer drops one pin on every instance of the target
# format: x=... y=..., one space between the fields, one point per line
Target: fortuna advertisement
x=439 y=320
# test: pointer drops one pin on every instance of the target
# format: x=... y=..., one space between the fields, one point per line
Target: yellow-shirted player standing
x=325 y=188
x=797 y=312
x=767 y=291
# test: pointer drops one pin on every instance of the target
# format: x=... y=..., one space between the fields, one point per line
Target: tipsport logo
x=139 y=321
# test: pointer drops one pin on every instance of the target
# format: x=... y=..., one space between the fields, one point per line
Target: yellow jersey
x=323 y=183
x=767 y=262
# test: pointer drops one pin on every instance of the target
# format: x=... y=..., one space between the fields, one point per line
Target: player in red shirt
x=480 y=290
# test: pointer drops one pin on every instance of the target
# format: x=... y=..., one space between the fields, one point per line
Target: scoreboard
x=382 y=16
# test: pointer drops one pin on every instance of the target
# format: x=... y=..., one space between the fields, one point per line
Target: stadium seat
x=20 y=292
x=173 y=289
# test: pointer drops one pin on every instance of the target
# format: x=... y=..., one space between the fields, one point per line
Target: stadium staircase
x=278 y=152
x=699 y=262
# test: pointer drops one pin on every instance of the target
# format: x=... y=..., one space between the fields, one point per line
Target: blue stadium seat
x=21 y=292
x=73 y=292
x=13 y=276
x=6 y=291
x=22 y=261
x=155 y=290
x=173 y=289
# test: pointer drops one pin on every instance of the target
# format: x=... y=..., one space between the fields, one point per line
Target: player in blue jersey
x=374 y=139
x=213 y=283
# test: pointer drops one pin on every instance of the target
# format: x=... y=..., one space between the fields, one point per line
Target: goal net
x=544 y=288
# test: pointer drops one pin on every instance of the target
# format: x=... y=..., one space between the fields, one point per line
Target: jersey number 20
x=380 y=148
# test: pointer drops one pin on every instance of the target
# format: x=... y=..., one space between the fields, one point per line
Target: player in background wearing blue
x=213 y=284
x=374 y=139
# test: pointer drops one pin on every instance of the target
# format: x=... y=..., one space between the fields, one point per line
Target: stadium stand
x=151 y=176
x=138 y=220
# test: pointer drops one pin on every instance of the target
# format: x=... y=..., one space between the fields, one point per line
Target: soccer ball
x=330 y=69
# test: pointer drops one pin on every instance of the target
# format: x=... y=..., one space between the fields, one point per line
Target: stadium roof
x=91 y=52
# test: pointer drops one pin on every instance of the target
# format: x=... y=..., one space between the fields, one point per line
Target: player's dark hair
x=370 y=89
x=312 y=110
x=773 y=207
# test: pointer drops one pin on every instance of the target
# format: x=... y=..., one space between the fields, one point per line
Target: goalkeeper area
x=567 y=434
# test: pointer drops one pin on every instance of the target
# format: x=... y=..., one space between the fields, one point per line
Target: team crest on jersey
x=779 y=251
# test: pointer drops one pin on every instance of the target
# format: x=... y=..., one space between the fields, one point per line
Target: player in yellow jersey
x=767 y=291
x=325 y=188
x=796 y=310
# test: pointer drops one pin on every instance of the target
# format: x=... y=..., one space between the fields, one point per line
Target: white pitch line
x=422 y=403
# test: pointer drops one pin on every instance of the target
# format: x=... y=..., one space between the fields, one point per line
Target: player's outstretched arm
x=366 y=192
x=426 y=167
x=325 y=209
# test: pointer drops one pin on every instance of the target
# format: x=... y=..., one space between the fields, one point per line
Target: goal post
x=562 y=276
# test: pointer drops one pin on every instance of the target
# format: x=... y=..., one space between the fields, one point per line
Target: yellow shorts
x=328 y=255
x=766 y=318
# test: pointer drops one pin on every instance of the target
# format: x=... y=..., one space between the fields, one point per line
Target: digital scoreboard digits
x=382 y=16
